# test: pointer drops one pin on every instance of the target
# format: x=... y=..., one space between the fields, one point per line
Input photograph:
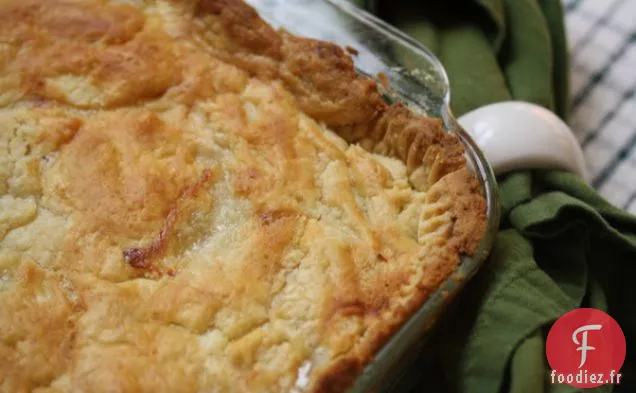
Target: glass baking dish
x=417 y=79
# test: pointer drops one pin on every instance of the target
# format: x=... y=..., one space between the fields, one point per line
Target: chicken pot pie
x=192 y=201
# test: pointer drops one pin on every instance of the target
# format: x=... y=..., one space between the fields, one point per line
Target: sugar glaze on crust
x=192 y=201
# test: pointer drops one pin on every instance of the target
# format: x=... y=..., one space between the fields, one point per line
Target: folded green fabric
x=560 y=247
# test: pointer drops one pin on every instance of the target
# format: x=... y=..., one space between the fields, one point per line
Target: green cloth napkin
x=560 y=246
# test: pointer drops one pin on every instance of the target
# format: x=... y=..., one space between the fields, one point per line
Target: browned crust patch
x=142 y=257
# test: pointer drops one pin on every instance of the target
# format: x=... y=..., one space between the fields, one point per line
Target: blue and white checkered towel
x=602 y=40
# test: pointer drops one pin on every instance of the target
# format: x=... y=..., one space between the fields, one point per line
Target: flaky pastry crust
x=192 y=201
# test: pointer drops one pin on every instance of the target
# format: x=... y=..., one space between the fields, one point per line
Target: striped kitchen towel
x=602 y=43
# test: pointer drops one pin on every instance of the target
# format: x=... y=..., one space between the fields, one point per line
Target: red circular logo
x=585 y=349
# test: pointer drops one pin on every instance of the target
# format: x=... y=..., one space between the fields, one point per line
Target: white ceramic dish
x=516 y=135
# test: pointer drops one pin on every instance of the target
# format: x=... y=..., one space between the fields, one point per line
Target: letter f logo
x=584 y=347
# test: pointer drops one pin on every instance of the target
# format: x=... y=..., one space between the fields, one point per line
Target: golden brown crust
x=191 y=201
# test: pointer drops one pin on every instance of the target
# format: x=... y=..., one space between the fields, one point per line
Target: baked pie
x=192 y=201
